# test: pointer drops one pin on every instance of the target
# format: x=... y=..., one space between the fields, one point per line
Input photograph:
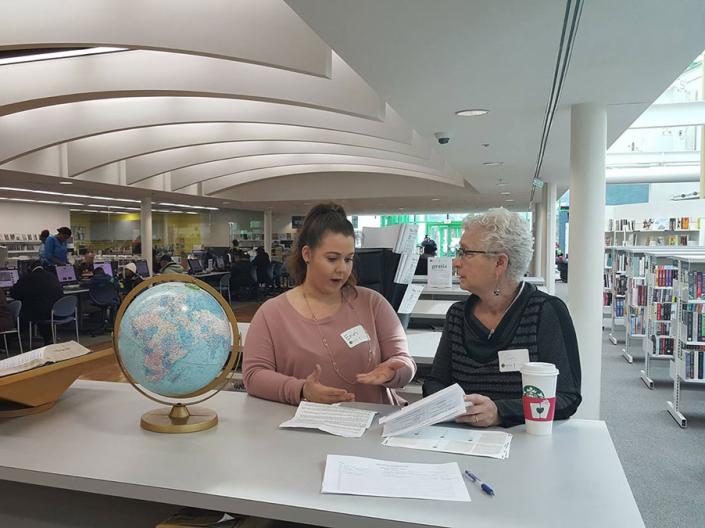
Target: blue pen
x=485 y=487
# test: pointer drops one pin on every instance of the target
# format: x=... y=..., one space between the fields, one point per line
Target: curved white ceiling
x=260 y=31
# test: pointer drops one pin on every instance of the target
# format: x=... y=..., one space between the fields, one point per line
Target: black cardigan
x=467 y=353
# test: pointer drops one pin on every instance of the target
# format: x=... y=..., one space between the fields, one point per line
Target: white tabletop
x=91 y=442
x=423 y=345
x=431 y=309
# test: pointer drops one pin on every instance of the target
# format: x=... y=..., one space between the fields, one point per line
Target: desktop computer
x=106 y=266
x=195 y=266
x=142 y=269
x=66 y=275
x=8 y=278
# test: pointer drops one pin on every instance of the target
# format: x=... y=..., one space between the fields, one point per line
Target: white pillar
x=146 y=230
x=268 y=231
x=539 y=235
x=549 y=237
x=588 y=133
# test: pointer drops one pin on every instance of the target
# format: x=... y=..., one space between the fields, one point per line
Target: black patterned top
x=468 y=353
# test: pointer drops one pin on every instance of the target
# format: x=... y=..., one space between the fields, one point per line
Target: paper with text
x=411 y=296
x=40 y=356
x=406 y=268
x=460 y=440
x=333 y=419
x=381 y=478
x=440 y=272
x=441 y=406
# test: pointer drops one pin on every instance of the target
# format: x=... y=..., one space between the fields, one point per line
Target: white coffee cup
x=538 y=382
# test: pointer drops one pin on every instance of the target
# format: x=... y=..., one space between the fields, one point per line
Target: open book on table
x=41 y=356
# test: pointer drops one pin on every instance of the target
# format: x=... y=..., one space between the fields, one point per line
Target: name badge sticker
x=355 y=336
x=513 y=360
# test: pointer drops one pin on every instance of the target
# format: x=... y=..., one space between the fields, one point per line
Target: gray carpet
x=664 y=464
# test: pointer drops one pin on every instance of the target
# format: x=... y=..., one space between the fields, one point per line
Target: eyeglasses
x=462 y=252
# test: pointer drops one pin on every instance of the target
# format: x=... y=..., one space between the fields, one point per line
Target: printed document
x=41 y=356
x=463 y=441
x=351 y=475
x=411 y=296
x=333 y=419
x=406 y=268
x=439 y=407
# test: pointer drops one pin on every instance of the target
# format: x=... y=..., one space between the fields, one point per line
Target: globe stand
x=179 y=419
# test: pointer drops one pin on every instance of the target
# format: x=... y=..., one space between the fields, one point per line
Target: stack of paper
x=463 y=441
x=382 y=478
x=333 y=419
x=442 y=406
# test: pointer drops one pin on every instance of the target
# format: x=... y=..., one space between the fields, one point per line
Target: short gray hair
x=505 y=232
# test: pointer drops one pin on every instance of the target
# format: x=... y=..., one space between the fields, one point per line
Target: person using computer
x=326 y=340
x=85 y=267
x=38 y=290
x=6 y=321
x=55 y=249
x=130 y=277
x=502 y=314
x=167 y=265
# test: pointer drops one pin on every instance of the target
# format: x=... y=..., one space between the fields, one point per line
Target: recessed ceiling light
x=505 y=193
x=501 y=184
x=485 y=145
x=471 y=112
x=493 y=163
x=508 y=201
x=435 y=199
x=65 y=183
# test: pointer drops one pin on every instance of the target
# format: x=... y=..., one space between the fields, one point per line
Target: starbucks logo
x=533 y=392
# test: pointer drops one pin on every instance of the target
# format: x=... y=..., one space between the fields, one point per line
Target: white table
x=423 y=345
x=431 y=309
x=536 y=281
x=91 y=442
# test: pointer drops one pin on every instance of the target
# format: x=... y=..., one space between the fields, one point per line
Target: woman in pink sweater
x=326 y=340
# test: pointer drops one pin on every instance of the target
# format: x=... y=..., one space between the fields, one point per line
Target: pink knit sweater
x=283 y=347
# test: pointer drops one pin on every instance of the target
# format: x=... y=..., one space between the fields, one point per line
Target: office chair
x=64 y=311
x=15 y=308
x=106 y=297
x=224 y=285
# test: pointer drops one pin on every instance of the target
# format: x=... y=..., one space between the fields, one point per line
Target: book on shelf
x=694 y=322
x=695 y=284
x=664 y=276
x=606 y=298
x=620 y=285
x=637 y=266
x=639 y=295
x=693 y=358
x=662 y=345
x=618 y=307
x=636 y=320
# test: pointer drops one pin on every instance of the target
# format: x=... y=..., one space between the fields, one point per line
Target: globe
x=174 y=338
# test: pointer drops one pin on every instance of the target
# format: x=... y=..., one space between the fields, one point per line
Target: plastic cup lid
x=536 y=368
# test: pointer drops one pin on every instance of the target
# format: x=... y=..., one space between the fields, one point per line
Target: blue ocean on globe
x=174 y=339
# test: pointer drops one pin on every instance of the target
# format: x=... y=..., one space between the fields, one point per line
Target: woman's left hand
x=482 y=412
x=383 y=373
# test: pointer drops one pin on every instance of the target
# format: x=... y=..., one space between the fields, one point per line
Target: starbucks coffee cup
x=538 y=382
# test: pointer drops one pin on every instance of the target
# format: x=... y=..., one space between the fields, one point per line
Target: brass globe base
x=179 y=419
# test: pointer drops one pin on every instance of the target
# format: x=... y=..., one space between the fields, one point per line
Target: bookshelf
x=18 y=247
x=686 y=367
x=618 y=286
x=635 y=299
x=607 y=284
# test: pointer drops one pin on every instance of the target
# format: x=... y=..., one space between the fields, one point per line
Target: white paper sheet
x=333 y=419
x=443 y=405
x=463 y=441
x=440 y=272
x=406 y=268
x=382 y=478
x=411 y=295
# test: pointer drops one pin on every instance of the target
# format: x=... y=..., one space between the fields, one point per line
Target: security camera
x=443 y=137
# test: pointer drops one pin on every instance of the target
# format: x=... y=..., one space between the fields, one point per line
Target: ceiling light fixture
x=493 y=163
x=65 y=183
x=471 y=112
x=58 y=55
x=505 y=193
x=509 y=201
x=435 y=199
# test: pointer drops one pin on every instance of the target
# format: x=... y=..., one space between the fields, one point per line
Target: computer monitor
x=8 y=277
x=107 y=267
x=142 y=269
x=66 y=274
x=195 y=266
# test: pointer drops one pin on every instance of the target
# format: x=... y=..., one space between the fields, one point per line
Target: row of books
x=620 y=285
x=637 y=266
x=637 y=321
x=608 y=260
x=679 y=223
x=639 y=295
x=694 y=322
x=664 y=276
x=620 y=262
x=662 y=345
x=695 y=284
x=662 y=311
x=607 y=280
x=662 y=296
x=621 y=225
x=693 y=362
x=619 y=307
x=607 y=299
x=661 y=329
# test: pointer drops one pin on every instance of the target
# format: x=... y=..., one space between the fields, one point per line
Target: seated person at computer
x=166 y=265
x=6 y=320
x=326 y=340
x=55 y=248
x=503 y=313
x=38 y=290
x=104 y=291
x=85 y=267
x=130 y=277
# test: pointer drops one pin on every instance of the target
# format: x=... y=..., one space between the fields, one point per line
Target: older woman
x=503 y=313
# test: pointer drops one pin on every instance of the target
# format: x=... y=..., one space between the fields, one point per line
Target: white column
x=549 y=237
x=588 y=133
x=268 y=231
x=146 y=230
x=539 y=235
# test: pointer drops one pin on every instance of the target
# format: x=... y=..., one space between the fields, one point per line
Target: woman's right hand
x=314 y=391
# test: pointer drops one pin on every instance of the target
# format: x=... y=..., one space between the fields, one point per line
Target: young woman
x=326 y=340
